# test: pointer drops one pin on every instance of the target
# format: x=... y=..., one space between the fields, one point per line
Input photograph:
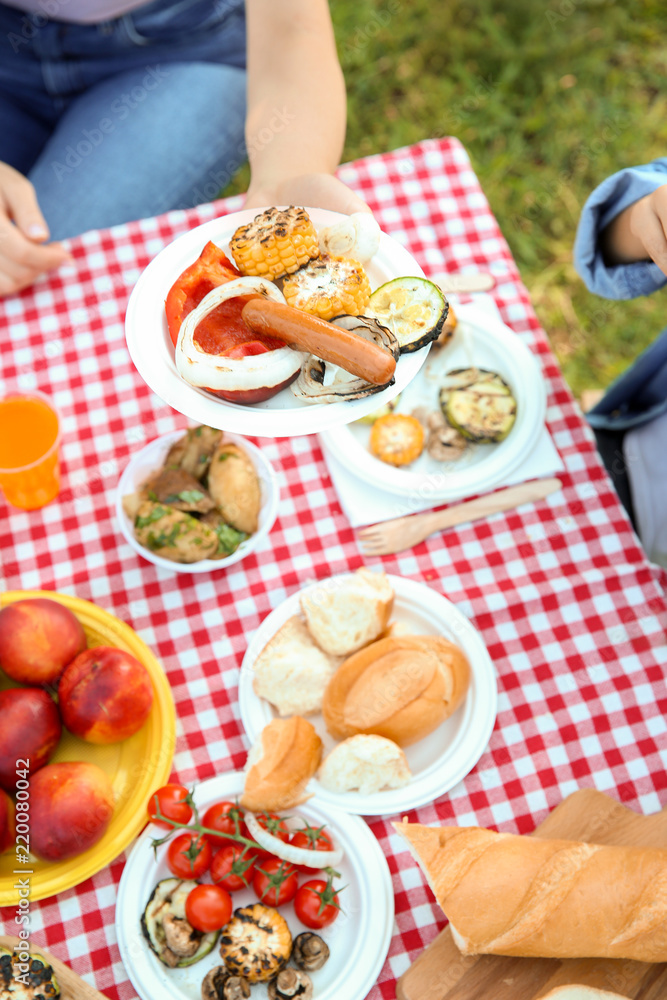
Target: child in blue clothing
x=621 y=252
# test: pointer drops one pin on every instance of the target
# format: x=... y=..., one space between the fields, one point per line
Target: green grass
x=548 y=98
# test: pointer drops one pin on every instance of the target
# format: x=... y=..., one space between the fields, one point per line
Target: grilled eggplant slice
x=170 y=936
x=479 y=404
x=412 y=308
x=37 y=983
x=256 y=943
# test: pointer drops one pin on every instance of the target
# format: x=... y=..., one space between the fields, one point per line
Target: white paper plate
x=440 y=760
x=151 y=458
x=483 y=340
x=358 y=939
x=152 y=352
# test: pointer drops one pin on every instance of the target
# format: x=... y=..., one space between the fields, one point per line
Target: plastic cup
x=29 y=449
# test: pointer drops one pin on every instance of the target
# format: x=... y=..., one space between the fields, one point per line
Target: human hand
x=639 y=232
x=310 y=190
x=23 y=253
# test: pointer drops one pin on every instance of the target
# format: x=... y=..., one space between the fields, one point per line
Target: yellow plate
x=135 y=767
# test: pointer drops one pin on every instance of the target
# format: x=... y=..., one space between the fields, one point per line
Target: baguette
x=280 y=765
x=511 y=895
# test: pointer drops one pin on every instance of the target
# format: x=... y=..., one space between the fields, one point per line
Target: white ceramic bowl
x=283 y=415
x=149 y=460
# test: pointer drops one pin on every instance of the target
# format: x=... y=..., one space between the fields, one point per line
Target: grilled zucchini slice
x=38 y=983
x=412 y=308
x=170 y=936
x=479 y=404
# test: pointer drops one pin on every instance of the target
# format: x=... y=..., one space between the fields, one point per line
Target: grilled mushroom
x=310 y=951
x=219 y=984
x=291 y=983
x=444 y=443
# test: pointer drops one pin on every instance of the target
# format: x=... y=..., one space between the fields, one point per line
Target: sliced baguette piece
x=401 y=689
x=506 y=894
x=292 y=671
x=346 y=615
x=576 y=992
x=364 y=764
x=280 y=765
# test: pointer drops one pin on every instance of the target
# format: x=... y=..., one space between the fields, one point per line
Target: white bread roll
x=292 y=671
x=575 y=992
x=364 y=764
x=280 y=765
x=511 y=895
x=344 y=615
x=401 y=689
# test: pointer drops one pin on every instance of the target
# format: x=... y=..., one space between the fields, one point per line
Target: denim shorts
x=167 y=79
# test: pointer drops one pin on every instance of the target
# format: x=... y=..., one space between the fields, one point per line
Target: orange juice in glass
x=29 y=439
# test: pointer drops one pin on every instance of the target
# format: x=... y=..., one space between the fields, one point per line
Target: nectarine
x=29 y=731
x=38 y=638
x=6 y=822
x=71 y=806
x=105 y=695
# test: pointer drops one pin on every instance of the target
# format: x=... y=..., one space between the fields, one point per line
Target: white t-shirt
x=76 y=11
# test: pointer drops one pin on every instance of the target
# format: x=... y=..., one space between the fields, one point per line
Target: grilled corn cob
x=256 y=943
x=277 y=242
x=329 y=287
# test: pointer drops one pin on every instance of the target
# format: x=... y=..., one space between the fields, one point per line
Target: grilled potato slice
x=235 y=488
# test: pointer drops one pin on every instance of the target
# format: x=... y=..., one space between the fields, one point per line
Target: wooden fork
x=460 y=284
x=403 y=532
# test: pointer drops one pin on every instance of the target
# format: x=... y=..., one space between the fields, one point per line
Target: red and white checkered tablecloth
x=572 y=613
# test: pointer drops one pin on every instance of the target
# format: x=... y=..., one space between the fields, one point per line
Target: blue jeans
x=127 y=118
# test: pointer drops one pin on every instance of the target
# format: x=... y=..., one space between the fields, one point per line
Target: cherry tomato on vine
x=189 y=855
x=208 y=907
x=170 y=800
x=224 y=816
x=316 y=903
x=276 y=882
x=311 y=838
x=275 y=825
x=233 y=867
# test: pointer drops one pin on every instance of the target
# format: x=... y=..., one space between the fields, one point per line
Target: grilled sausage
x=313 y=335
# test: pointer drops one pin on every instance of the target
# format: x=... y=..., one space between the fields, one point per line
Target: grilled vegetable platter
x=284 y=310
x=215 y=915
x=471 y=416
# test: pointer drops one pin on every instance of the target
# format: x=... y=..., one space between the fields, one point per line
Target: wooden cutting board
x=72 y=986
x=442 y=973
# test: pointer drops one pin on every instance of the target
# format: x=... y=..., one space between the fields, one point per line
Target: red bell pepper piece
x=212 y=268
